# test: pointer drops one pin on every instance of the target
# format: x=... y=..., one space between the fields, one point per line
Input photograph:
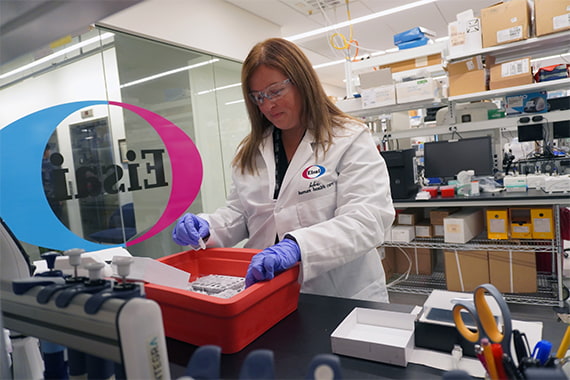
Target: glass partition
x=117 y=117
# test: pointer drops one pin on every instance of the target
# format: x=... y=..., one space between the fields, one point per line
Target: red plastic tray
x=232 y=323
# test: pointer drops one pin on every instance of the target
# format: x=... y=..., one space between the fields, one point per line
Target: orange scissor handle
x=486 y=318
x=461 y=327
x=487 y=326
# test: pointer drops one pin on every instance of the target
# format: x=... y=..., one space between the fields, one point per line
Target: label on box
x=541 y=225
x=517 y=67
x=562 y=21
x=378 y=96
x=521 y=229
x=533 y=102
x=421 y=61
x=514 y=33
x=473 y=25
x=497 y=226
x=453 y=228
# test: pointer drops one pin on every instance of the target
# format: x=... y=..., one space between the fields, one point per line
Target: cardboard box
x=411 y=216
x=424 y=229
x=413 y=64
x=497 y=223
x=505 y=22
x=231 y=323
x=551 y=16
x=465 y=270
x=422 y=260
x=375 y=78
x=403 y=234
x=532 y=102
x=465 y=34
x=513 y=271
x=437 y=215
x=542 y=220
x=388 y=257
x=417 y=90
x=516 y=183
x=463 y=225
x=378 y=96
x=377 y=335
x=509 y=74
x=438 y=230
x=467 y=76
x=520 y=223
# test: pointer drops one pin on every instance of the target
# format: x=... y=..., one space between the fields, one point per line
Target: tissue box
x=378 y=335
x=230 y=323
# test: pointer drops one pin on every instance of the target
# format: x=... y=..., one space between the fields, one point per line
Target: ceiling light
x=359 y=20
x=235 y=102
x=56 y=54
x=169 y=72
x=219 y=88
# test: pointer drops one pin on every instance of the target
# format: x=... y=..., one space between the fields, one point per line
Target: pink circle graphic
x=186 y=166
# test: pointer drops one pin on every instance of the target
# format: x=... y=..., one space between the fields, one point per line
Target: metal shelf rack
x=546 y=294
x=480 y=243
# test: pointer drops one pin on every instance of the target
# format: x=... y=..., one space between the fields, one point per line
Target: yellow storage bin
x=497 y=223
x=542 y=223
x=520 y=223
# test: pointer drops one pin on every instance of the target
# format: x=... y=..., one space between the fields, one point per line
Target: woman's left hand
x=276 y=258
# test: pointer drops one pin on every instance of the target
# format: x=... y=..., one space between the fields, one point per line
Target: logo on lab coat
x=314 y=171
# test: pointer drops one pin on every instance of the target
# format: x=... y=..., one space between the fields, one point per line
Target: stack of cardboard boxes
x=420 y=261
x=509 y=270
x=502 y=23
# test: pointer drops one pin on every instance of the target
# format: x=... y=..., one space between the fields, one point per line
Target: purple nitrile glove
x=276 y=258
x=189 y=229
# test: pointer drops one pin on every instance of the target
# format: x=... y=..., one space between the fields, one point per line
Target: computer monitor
x=444 y=159
x=561 y=129
x=530 y=132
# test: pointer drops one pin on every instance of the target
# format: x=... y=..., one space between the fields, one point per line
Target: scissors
x=486 y=325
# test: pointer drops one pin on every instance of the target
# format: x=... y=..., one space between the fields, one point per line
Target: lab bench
x=296 y=339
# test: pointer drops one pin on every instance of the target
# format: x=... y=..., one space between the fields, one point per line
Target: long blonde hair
x=318 y=113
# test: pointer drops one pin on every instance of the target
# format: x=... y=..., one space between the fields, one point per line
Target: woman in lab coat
x=309 y=184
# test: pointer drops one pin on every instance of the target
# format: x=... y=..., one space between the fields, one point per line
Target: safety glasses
x=272 y=92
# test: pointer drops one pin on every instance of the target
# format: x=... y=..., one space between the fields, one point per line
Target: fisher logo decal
x=314 y=171
x=23 y=203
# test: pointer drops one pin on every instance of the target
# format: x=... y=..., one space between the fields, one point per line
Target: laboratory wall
x=199 y=93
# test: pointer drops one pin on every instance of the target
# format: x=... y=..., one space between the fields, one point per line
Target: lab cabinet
x=550 y=289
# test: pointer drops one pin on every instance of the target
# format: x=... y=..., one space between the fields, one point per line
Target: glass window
x=107 y=165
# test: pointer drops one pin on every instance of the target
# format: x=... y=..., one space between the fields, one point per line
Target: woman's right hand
x=190 y=229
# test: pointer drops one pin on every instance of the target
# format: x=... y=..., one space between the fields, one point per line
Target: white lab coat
x=337 y=218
